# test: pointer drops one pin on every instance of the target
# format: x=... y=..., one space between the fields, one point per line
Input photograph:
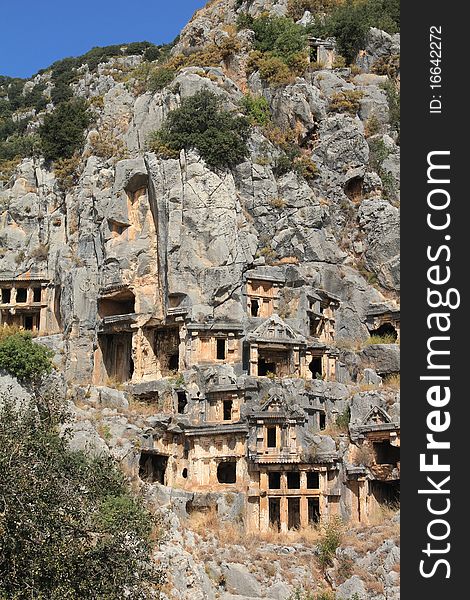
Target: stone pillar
x=303 y=511
x=304 y=365
x=213 y=472
x=296 y=361
x=191 y=349
x=253 y=514
x=323 y=499
x=325 y=366
x=284 y=515
x=254 y=360
x=362 y=499
x=43 y=321
x=264 y=513
x=264 y=502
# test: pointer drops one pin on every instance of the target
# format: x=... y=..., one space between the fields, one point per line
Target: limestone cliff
x=214 y=326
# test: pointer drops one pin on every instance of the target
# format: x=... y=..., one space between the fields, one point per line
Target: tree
x=70 y=527
x=63 y=130
x=201 y=123
x=22 y=358
x=350 y=21
x=279 y=36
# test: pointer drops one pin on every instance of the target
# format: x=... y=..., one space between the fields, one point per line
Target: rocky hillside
x=106 y=200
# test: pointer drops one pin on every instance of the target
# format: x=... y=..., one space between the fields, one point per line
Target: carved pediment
x=377 y=416
x=276 y=330
x=275 y=403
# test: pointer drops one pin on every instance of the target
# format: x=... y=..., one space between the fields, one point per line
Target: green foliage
x=256 y=109
x=329 y=542
x=299 y=594
x=22 y=358
x=14 y=102
x=342 y=420
x=292 y=159
x=297 y=8
x=278 y=35
x=381 y=339
x=280 y=49
x=160 y=78
x=393 y=99
x=63 y=130
x=18 y=146
x=271 y=68
x=377 y=155
x=152 y=53
x=202 y=123
x=67 y=172
x=350 y=22
x=64 y=68
x=70 y=525
x=244 y=21
x=61 y=93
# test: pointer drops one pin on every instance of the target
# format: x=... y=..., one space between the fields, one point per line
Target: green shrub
x=294 y=160
x=23 y=359
x=61 y=93
x=160 y=78
x=350 y=22
x=18 y=146
x=244 y=21
x=8 y=167
x=297 y=8
x=342 y=420
x=305 y=167
x=393 y=99
x=280 y=49
x=201 y=123
x=78 y=530
x=378 y=152
x=63 y=131
x=256 y=109
x=67 y=172
x=152 y=53
x=271 y=68
x=278 y=35
x=139 y=48
x=329 y=542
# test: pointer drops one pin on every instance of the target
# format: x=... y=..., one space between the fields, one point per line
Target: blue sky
x=35 y=33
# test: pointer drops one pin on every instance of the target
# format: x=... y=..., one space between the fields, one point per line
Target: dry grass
x=392 y=381
x=9 y=330
x=143 y=408
x=208 y=524
x=380 y=339
x=368 y=538
x=364 y=455
x=113 y=383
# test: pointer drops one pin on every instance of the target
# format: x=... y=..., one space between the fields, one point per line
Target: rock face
x=212 y=325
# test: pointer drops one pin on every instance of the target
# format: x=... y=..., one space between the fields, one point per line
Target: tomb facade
x=30 y=304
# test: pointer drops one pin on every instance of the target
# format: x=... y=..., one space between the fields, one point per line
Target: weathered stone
x=238 y=580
